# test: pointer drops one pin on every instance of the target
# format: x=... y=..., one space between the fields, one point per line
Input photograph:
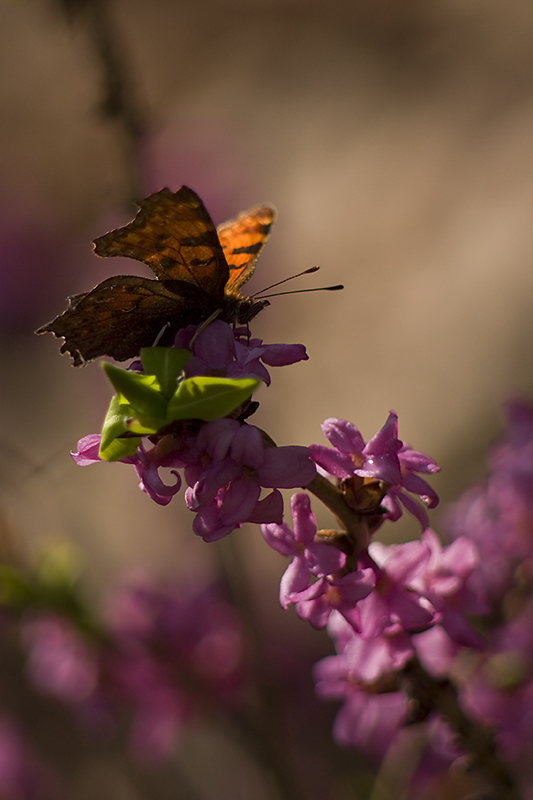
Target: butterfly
x=199 y=271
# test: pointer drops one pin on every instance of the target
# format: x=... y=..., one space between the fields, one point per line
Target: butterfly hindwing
x=242 y=240
x=116 y=318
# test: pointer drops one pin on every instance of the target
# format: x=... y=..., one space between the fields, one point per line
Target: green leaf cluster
x=144 y=404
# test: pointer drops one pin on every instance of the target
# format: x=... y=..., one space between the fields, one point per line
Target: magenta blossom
x=224 y=351
x=375 y=712
x=367 y=721
x=384 y=458
x=194 y=626
x=310 y=558
x=226 y=465
x=411 y=462
x=372 y=713
x=60 y=663
x=395 y=605
x=226 y=462
x=160 y=656
x=369 y=660
x=225 y=491
x=310 y=581
x=497 y=514
x=445 y=583
x=330 y=593
x=88 y=449
x=146 y=463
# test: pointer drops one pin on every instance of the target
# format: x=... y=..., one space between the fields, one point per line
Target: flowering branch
x=400 y=616
x=356 y=526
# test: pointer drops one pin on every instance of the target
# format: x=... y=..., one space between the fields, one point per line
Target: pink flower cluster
x=388 y=609
x=376 y=610
x=227 y=462
x=465 y=609
x=497 y=516
x=377 y=616
x=161 y=656
x=384 y=458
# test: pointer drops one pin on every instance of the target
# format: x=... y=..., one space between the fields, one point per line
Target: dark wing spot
x=250 y=250
x=201 y=262
x=202 y=240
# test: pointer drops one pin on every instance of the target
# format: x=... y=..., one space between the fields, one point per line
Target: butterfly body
x=199 y=271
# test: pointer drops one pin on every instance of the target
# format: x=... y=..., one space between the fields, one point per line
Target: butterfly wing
x=117 y=318
x=242 y=240
x=174 y=235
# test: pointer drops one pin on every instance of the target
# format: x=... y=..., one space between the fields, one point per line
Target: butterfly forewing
x=174 y=235
x=242 y=240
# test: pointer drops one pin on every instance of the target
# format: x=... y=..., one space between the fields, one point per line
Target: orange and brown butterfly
x=199 y=271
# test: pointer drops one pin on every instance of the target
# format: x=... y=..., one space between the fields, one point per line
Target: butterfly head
x=240 y=309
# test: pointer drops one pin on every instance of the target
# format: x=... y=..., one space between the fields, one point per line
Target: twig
x=118 y=96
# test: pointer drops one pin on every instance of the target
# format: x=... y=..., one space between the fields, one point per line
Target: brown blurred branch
x=119 y=102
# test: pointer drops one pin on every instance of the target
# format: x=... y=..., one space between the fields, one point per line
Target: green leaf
x=166 y=363
x=116 y=425
x=209 y=398
x=144 y=426
x=15 y=588
x=58 y=565
x=120 y=448
x=142 y=392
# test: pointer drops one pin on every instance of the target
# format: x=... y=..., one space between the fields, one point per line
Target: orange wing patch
x=242 y=240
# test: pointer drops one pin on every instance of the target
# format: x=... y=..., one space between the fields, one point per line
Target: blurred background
x=395 y=139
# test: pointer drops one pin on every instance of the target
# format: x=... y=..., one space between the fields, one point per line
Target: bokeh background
x=395 y=139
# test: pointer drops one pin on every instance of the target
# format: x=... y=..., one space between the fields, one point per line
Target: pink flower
x=309 y=580
x=222 y=350
x=445 y=583
x=394 y=605
x=226 y=465
x=60 y=662
x=367 y=721
x=384 y=458
x=226 y=491
x=310 y=558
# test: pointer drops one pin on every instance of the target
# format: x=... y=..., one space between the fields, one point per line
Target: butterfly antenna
x=298 y=275
x=301 y=291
